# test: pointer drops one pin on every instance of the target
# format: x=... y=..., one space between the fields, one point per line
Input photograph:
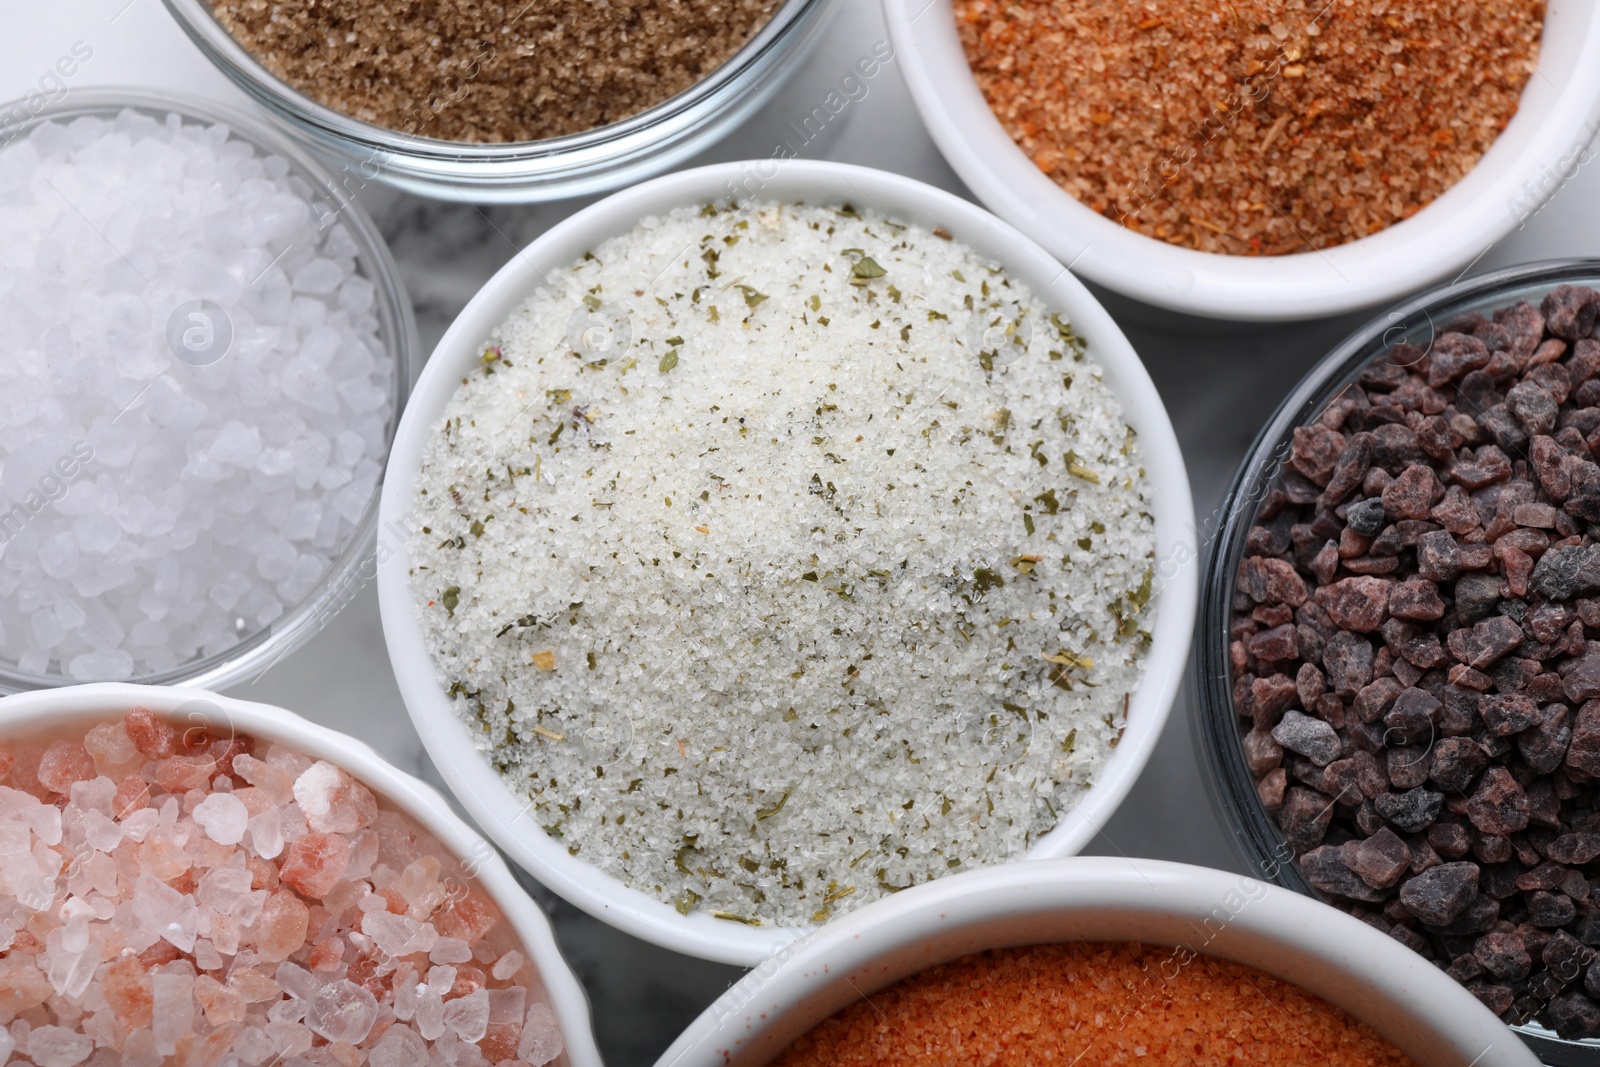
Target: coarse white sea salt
x=172 y=476
x=785 y=556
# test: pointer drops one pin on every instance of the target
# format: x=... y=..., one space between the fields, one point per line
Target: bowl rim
x=1085 y=898
x=492 y=804
x=1257 y=841
x=1508 y=185
x=397 y=332
x=107 y=701
x=578 y=163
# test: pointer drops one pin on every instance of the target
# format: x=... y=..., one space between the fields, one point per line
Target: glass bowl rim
x=241 y=65
x=1257 y=841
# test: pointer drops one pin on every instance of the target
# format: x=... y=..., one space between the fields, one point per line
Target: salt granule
x=173 y=938
x=173 y=475
x=784 y=556
x=222 y=817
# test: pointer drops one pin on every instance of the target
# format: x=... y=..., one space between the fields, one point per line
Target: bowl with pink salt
x=194 y=880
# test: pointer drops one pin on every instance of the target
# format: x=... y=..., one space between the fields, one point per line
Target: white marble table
x=1220 y=382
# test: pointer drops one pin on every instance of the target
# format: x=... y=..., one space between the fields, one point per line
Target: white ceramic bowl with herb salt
x=646 y=396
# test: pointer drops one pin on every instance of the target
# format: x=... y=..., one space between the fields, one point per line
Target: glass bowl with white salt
x=780 y=536
x=190 y=878
x=206 y=351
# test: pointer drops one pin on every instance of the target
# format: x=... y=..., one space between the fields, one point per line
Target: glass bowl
x=1260 y=844
x=577 y=164
x=354 y=567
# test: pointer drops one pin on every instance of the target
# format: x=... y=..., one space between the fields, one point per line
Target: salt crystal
x=57 y=1046
x=342 y=1012
x=266 y=833
x=450 y=950
x=222 y=817
x=206 y=955
x=508 y=1005
x=318 y=276
x=253 y=1046
x=165 y=912
x=314 y=863
x=291 y=1039
x=100 y=832
x=398 y=935
x=468 y=1016
x=442 y=979
x=407 y=992
x=172 y=1009
x=506 y=966
x=399 y=1047
x=430 y=1013
x=332 y=801
x=297 y=981
x=137 y=825
x=541 y=1036
x=94 y=793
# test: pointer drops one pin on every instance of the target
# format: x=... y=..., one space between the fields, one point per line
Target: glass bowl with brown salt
x=529 y=103
x=190 y=878
x=1395 y=655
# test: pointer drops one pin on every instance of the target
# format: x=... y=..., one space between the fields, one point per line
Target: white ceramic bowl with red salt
x=71 y=711
x=1373 y=978
x=1537 y=153
x=506 y=815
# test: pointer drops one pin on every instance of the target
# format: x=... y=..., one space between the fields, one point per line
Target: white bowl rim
x=492 y=804
x=107 y=701
x=1508 y=185
x=1296 y=938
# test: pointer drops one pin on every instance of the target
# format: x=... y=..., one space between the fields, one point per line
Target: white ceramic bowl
x=1374 y=978
x=481 y=790
x=86 y=705
x=1538 y=151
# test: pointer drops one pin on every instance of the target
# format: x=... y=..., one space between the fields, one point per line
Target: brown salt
x=1090 y=1004
x=492 y=72
x=1259 y=127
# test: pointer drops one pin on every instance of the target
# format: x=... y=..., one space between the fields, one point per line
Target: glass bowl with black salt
x=506 y=103
x=206 y=352
x=1397 y=661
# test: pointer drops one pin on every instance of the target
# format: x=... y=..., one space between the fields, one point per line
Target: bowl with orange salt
x=194 y=880
x=1258 y=160
x=1096 y=961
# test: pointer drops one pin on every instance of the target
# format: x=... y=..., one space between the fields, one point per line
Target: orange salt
x=1091 y=1004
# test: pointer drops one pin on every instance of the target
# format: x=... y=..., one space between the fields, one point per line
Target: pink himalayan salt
x=63 y=763
x=171 y=938
x=332 y=801
x=109 y=745
x=223 y=817
x=315 y=863
x=154 y=739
